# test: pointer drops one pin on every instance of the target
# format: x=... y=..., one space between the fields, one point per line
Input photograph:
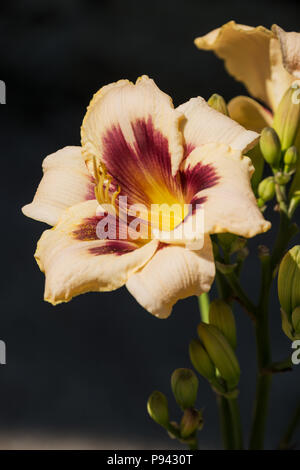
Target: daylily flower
x=266 y=61
x=135 y=144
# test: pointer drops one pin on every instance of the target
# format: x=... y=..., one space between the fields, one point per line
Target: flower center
x=104 y=189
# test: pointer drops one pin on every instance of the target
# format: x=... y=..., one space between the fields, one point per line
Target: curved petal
x=66 y=182
x=281 y=79
x=229 y=204
x=249 y=113
x=134 y=131
x=245 y=51
x=290 y=49
x=285 y=62
x=173 y=273
x=75 y=261
x=205 y=125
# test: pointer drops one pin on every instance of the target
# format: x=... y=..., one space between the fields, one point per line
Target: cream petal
x=290 y=48
x=281 y=79
x=204 y=125
x=245 y=51
x=134 y=130
x=75 y=261
x=229 y=204
x=249 y=113
x=66 y=181
x=173 y=273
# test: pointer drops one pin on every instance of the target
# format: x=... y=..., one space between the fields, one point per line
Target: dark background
x=83 y=371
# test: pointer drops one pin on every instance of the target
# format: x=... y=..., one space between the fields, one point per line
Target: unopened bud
x=218 y=103
x=281 y=178
x=286 y=325
x=184 y=385
x=221 y=316
x=291 y=156
x=201 y=360
x=270 y=146
x=221 y=353
x=190 y=422
x=157 y=407
x=296 y=320
x=266 y=189
x=290 y=159
x=287 y=118
x=258 y=162
x=295 y=201
x=289 y=281
x=260 y=203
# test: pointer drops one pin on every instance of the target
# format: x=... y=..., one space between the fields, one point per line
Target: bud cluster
x=213 y=354
x=280 y=146
x=289 y=292
x=184 y=384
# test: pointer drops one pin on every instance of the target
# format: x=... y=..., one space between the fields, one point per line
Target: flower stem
x=193 y=445
x=203 y=300
x=285 y=233
x=263 y=384
x=269 y=268
x=240 y=294
x=224 y=411
x=293 y=425
x=225 y=423
x=237 y=426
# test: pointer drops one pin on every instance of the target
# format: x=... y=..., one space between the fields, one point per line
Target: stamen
x=103 y=185
x=115 y=195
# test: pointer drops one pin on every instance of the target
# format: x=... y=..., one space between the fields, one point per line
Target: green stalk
x=229 y=413
x=237 y=426
x=225 y=423
x=293 y=425
x=203 y=300
x=224 y=411
x=286 y=231
x=269 y=268
x=262 y=334
x=224 y=289
x=240 y=294
x=193 y=445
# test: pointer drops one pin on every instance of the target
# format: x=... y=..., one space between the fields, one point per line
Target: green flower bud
x=291 y=156
x=266 y=189
x=295 y=186
x=157 y=407
x=290 y=159
x=221 y=316
x=218 y=103
x=287 y=118
x=295 y=201
x=270 y=146
x=184 y=384
x=289 y=281
x=258 y=162
x=221 y=353
x=287 y=327
x=201 y=360
x=291 y=326
x=260 y=202
x=296 y=320
x=281 y=178
x=190 y=422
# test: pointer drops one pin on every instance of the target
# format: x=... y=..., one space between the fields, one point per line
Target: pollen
x=104 y=188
